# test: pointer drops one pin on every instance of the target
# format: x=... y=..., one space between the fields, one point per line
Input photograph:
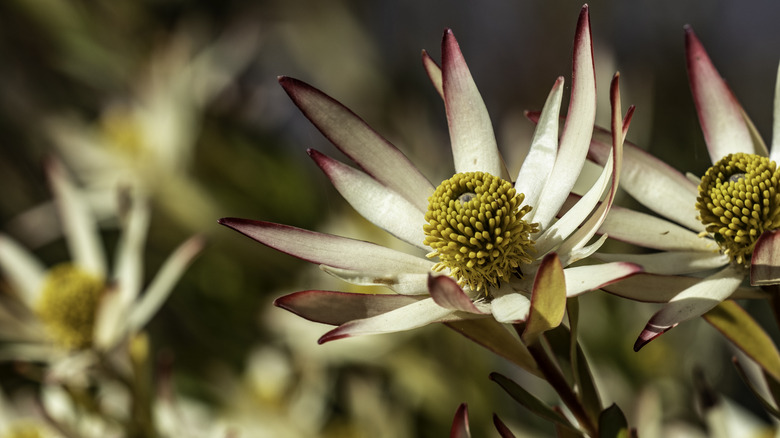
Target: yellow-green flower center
x=121 y=131
x=738 y=200
x=23 y=429
x=476 y=228
x=68 y=303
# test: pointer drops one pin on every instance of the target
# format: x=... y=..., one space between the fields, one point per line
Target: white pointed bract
x=391 y=192
x=699 y=265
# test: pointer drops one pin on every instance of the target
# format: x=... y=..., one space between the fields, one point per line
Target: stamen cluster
x=68 y=304
x=476 y=229
x=738 y=200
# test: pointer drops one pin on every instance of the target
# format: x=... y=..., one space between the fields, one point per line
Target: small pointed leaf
x=612 y=423
x=548 y=299
x=502 y=429
x=744 y=332
x=529 y=401
x=460 y=424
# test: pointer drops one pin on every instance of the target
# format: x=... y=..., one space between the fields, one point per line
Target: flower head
x=476 y=229
x=739 y=200
x=727 y=223
x=68 y=303
x=496 y=243
x=78 y=306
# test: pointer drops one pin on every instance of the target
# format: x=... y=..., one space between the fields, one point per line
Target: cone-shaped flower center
x=476 y=228
x=738 y=200
x=68 y=303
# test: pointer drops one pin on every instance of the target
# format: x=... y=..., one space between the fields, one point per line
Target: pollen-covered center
x=738 y=200
x=476 y=228
x=68 y=303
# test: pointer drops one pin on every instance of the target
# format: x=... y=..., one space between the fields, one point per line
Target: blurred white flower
x=20 y=417
x=75 y=311
x=147 y=138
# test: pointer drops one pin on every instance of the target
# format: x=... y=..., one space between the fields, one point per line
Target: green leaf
x=502 y=429
x=612 y=423
x=743 y=331
x=548 y=299
x=494 y=336
x=586 y=388
x=529 y=401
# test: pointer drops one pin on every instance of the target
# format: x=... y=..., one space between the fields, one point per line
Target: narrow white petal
x=434 y=72
x=653 y=183
x=590 y=226
x=129 y=260
x=473 y=141
x=163 y=283
x=379 y=204
x=400 y=282
x=692 y=302
x=577 y=254
x=553 y=236
x=360 y=142
x=671 y=262
x=22 y=270
x=652 y=232
x=774 y=151
x=582 y=279
x=326 y=249
x=721 y=116
x=539 y=162
x=417 y=314
x=71 y=368
x=77 y=222
x=29 y=352
x=110 y=320
x=510 y=306
x=578 y=128
x=654 y=288
x=336 y=308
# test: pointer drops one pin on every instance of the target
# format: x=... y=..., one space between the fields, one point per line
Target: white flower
x=497 y=243
x=728 y=223
x=147 y=137
x=77 y=308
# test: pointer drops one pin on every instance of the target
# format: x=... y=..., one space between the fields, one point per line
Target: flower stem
x=556 y=379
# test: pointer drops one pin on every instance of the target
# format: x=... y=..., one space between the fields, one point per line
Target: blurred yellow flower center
x=476 y=228
x=120 y=130
x=23 y=429
x=68 y=303
x=738 y=200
